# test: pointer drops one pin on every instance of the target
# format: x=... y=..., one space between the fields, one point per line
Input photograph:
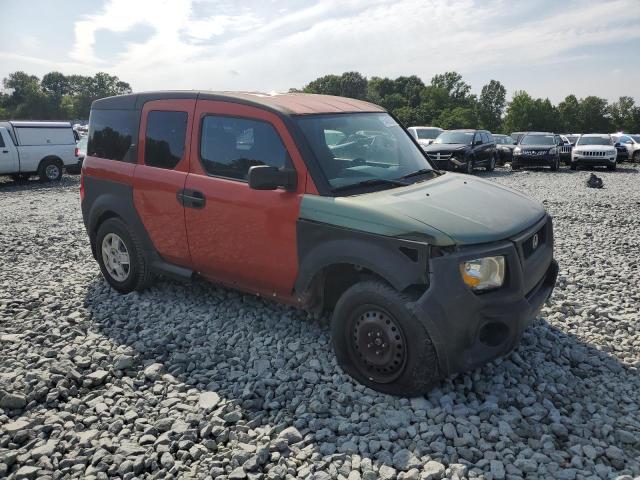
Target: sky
x=549 y=48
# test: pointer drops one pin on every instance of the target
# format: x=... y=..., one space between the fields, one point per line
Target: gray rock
x=13 y=401
x=497 y=470
x=209 y=400
x=167 y=461
x=432 y=470
x=153 y=371
x=405 y=460
x=290 y=435
x=123 y=362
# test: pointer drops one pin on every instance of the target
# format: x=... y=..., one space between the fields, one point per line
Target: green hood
x=451 y=209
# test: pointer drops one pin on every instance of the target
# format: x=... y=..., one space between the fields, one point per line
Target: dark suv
x=323 y=203
x=537 y=149
x=463 y=150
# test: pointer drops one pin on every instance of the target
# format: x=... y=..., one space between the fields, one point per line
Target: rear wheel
x=121 y=257
x=50 y=170
x=379 y=341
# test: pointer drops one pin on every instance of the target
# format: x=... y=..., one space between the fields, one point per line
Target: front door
x=164 y=142
x=239 y=236
x=8 y=153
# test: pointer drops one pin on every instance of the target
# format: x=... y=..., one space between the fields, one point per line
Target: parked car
x=426 y=272
x=517 y=135
x=564 y=147
x=463 y=150
x=631 y=144
x=425 y=135
x=537 y=149
x=572 y=137
x=505 y=145
x=81 y=151
x=36 y=148
x=594 y=150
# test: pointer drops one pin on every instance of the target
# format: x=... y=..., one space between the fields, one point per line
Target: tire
x=514 y=165
x=408 y=365
x=636 y=157
x=555 y=166
x=138 y=274
x=573 y=166
x=612 y=167
x=50 y=170
x=468 y=168
x=492 y=164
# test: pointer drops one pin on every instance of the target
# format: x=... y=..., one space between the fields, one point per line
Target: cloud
x=282 y=44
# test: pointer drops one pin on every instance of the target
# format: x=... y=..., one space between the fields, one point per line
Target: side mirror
x=617 y=144
x=477 y=142
x=266 y=177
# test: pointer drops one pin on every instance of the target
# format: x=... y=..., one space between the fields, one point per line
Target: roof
x=596 y=135
x=40 y=124
x=284 y=103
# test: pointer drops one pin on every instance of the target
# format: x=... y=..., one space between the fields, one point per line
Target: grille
x=439 y=156
x=565 y=149
x=534 y=242
x=593 y=154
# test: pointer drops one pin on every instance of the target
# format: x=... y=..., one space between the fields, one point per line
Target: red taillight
x=77 y=152
x=81 y=186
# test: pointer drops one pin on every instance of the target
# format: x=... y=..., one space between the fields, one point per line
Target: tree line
x=56 y=96
x=447 y=102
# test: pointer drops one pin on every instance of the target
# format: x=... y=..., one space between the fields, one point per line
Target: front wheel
x=379 y=341
x=555 y=166
x=611 y=167
x=492 y=164
x=636 y=157
x=573 y=166
x=50 y=170
x=468 y=168
x=121 y=257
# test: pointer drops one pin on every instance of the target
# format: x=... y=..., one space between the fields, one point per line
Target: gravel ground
x=190 y=380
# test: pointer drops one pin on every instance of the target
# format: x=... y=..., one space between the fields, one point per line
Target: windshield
x=635 y=137
x=374 y=148
x=455 y=137
x=428 y=133
x=594 y=141
x=572 y=138
x=538 y=140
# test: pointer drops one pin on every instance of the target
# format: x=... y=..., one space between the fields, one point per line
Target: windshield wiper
x=371 y=181
x=422 y=171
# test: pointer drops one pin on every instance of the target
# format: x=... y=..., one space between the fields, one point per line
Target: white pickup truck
x=42 y=148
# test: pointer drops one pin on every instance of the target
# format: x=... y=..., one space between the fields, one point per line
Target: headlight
x=517 y=151
x=553 y=151
x=483 y=273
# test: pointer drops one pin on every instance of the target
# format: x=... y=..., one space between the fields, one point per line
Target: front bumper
x=593 y=161
x=470 y=329
x=545 y=160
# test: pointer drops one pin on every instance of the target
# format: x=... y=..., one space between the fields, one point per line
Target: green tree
x=594 y=115
x=349 y=84
x=452 y=82
x=569 y=112
x=491 y=105
x=519 y=112
x=623 y=115
x=459 y=117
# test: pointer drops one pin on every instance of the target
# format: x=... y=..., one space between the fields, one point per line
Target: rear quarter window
x=164 y=140
x=111 y=134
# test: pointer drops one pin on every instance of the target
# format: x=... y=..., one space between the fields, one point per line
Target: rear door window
x=164 y=138
x=111 y=133
x=229 y=146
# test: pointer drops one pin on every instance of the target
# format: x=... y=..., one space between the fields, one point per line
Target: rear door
x=239 y=236
x=8 y=153
x=164 y=142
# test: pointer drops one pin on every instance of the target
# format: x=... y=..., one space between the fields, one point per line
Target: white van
x=42 y=148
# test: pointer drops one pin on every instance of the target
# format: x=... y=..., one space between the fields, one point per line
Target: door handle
x=191 y=198
x=5 y=151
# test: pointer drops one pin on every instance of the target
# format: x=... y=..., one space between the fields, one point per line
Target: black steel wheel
x=377 y=346
x=381 y=343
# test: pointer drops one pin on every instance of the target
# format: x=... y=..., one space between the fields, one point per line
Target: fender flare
x=401 y=263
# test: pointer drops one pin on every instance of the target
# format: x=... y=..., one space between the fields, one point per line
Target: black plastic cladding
x=321 y=245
